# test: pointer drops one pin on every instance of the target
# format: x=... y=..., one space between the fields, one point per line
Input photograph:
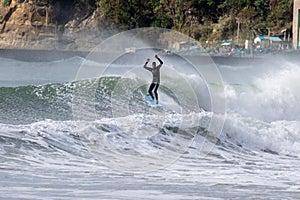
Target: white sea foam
x=279 y=137
x=273 y=96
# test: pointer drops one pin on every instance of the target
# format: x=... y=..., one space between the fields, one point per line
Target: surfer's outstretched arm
x=160 y=61
x=145 y=65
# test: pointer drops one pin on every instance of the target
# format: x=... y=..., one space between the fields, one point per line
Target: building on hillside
x=268 y=42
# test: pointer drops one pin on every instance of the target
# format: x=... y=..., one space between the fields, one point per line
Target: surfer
x=155 y=70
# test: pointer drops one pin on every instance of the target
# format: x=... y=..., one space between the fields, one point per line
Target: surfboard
x=152 y=102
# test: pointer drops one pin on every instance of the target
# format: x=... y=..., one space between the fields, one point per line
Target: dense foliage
x=201 y=19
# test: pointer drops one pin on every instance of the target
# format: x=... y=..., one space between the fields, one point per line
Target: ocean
x=67 y=135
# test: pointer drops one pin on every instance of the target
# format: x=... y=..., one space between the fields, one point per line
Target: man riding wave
x=155 y=70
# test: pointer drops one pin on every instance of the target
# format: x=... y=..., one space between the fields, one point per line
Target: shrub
x=6 y=2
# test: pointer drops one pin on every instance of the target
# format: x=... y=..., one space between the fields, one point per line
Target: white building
x=267 y=42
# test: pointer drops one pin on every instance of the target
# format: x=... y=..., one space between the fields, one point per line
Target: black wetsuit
x=156 y=78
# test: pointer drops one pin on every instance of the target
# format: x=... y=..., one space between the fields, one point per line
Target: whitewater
x=68 y=138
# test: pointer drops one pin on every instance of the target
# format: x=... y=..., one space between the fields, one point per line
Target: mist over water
x=268 y=93
x=262 y=106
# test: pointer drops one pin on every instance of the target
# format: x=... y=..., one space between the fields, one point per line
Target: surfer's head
x=154 y=65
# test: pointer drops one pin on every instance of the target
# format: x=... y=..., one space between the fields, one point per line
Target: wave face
x=32 y=103
x=90 y=116
x=261 y=100
x=91 y=131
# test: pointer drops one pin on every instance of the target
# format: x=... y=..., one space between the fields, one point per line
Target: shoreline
x=46 y=55
x=40 y=55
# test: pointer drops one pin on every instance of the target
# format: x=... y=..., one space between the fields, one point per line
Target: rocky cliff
x=48 y=24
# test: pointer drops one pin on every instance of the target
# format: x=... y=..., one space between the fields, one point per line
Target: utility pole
x=269 y=34
x=296 y=23
x=238 y=30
